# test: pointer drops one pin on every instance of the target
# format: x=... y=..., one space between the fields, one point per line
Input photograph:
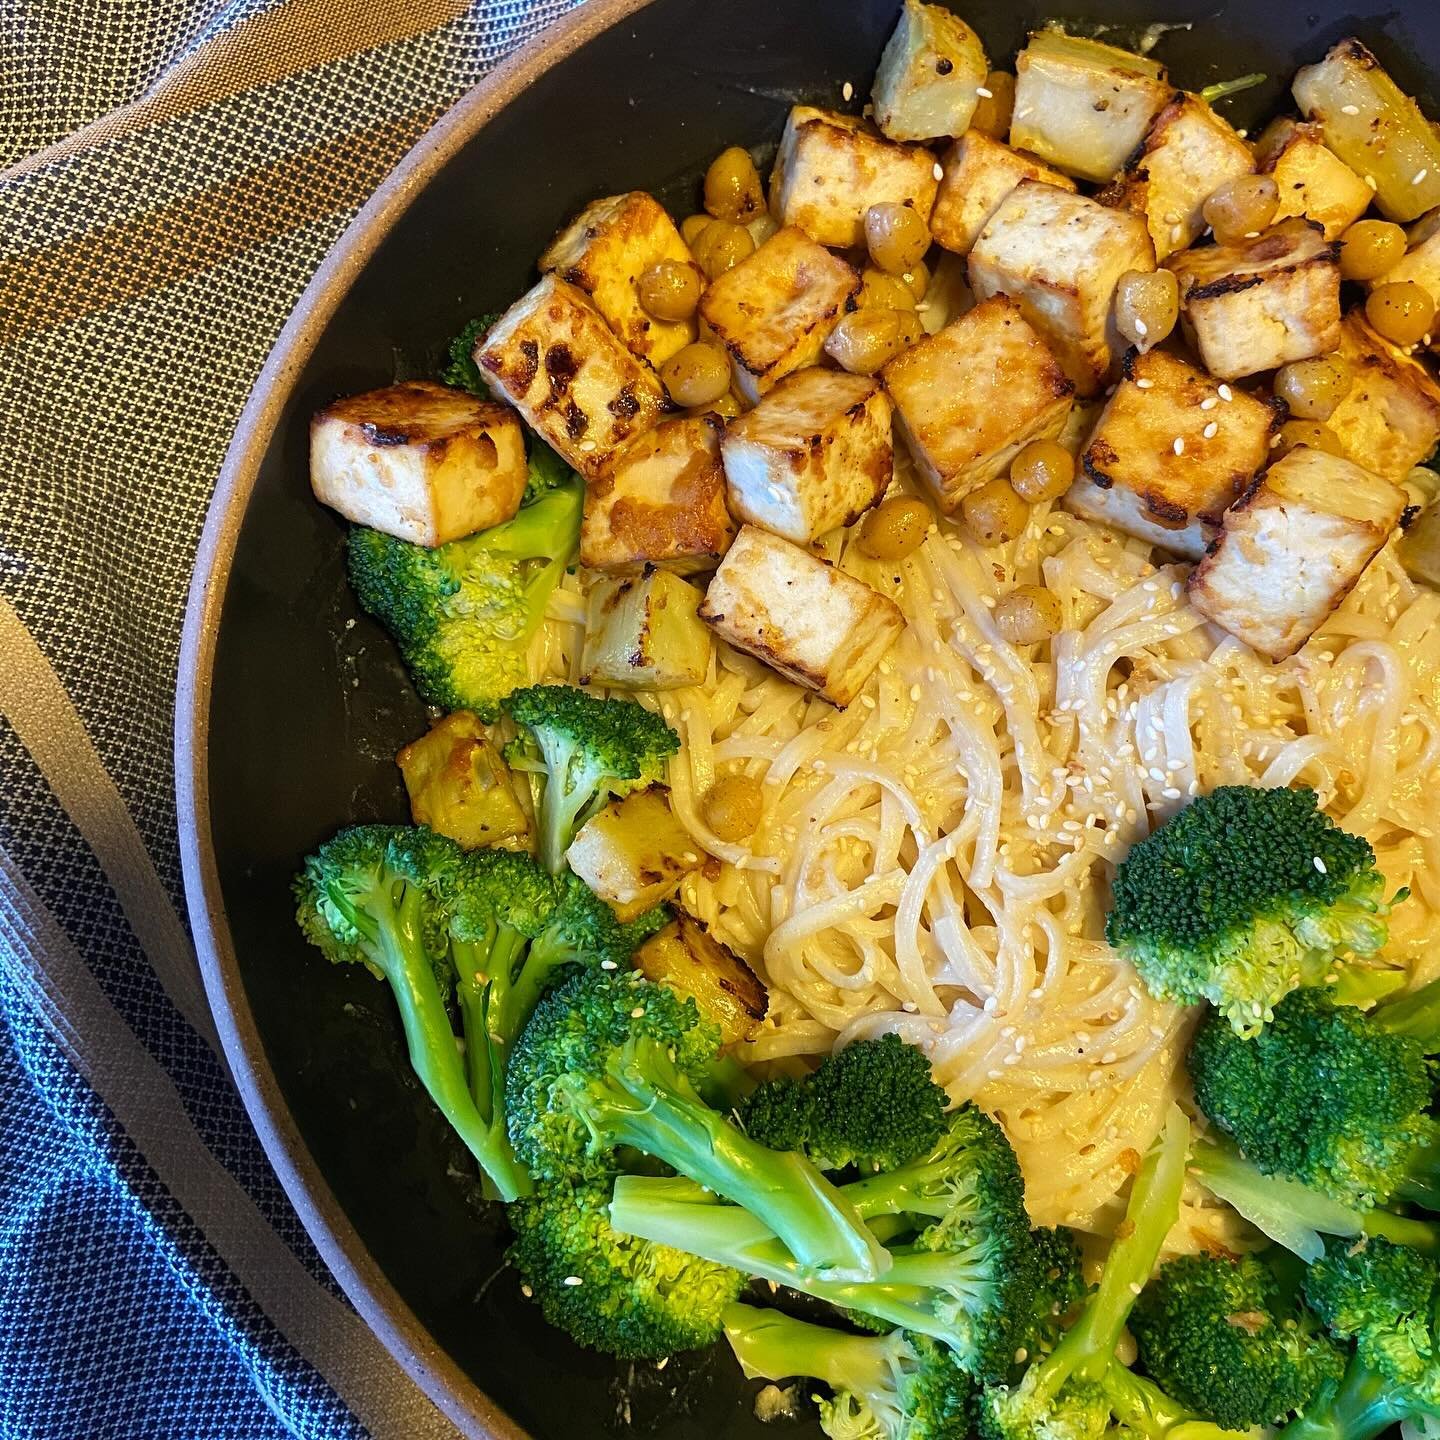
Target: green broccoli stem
x=483 y=984
x=563 y=791
x=1421 y=1185
x=1142 y=1406
x=771 y=1345
x=1416 y=1016
x=1363 y=1406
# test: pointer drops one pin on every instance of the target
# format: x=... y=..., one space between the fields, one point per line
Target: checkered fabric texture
x=174 y=172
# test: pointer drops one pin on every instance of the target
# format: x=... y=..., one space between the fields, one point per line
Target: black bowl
x=292 y=704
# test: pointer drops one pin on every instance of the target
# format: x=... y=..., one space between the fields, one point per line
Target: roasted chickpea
x=721 y=246
x=1027 y=615
x=732 y=187
x=1401 y=311
x=879 y=291
x=1306 y=432
x=1042 y=470
x=1242 y=207
x=895 y=528
x=732 y=807
x=917 y=280
x=1313 y=388
x=896 y=237
x=864 y=340
x=1147 y=305
x=691 y=226
x=1369 y=248
x=992 y=114
x=994 y=513
x=670 y=290
x=697 y=375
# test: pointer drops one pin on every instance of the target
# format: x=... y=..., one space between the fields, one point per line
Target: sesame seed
x=1370 y=181
x=637 y=1012
x=915 y=692
x=1320 y=866
x=527 y=1292
x=1144 y=384
x=1209 y=403
x=1349 y=109
x=1178 y=446
x=1225 y=393
x=1419 y=176
x=847 y=91
x=1141 y=328
x=608 y=965
x=938 y=173
x=587 y=445
x=1210 y=430
x=572 y=1280
x=983 y=93
x=1170 y=793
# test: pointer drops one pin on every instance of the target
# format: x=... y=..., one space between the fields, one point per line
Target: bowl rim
x=454 y=1393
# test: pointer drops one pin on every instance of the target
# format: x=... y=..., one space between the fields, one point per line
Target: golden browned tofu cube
x=816 y=625
x=419 y=461
x=1187 y=154
x=642 y=633
x=813 y=454
x=929 y=73
x=979 y=174
x=605 y=249
x=968 y=398
x=1061 y=256
x=832 y=168
x=1084 y=106
x=1390 y=420
x=1170 y=453
x=553 y=357
x=774 y=311
x=660 y=501
x=689 y=959
x=634 y=853
x=1313 y=181
x=460 y=787
x=1260 y=303
x=1292 y=549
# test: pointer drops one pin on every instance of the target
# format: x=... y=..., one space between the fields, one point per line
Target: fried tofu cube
x=929 y=73
x=634 y=853
x=1260 y=303
x=1313 y=181
x=1292 y=549
x=813 y=454
x=419 y=461
x=1084 y=106
x=969 y=397
x=552 y=356
x=831 y=168
x=642 y=633
x=605 y=249
x=460 y=787
x=689 y=959
x=1390 y=420
x=1061 y=255
x=1169 y=454
x=774 y=311
x=816 y=625
x=979 y=174
x=660 y=501
x=1187 y=154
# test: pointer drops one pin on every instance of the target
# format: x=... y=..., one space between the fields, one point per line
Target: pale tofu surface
x=419 y=461
x=831 y=168
x=813 y=623
x=1260 y=303
x=1293 y=548
x=969 y=397
x=774 y=311
x=660 y=501
x=979 y=174
x=1061 y=255
x=929 y=73
x=1169 y=453
x=814 y=454
x=554 y=358
x=605 y=249
x=1314 y=183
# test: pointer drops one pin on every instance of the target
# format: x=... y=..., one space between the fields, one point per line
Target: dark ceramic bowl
x=292 y=705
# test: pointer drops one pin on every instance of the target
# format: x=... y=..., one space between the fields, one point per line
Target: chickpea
x=917 y=280
x=697 y=375
x=1042 y=470
x=1027 y=615
x=670 y=290
x=1369 y=248
x=895 y=528
x=691 y=226
x=721 y=246
x=879 y=291
x=1242 y=207
x=896 y=236
x=1147 y=305
x=1306 y=432
x=732 y=807
x=994 y=513
x=1401 y=311
x=1313 y=388
x=992 y=114
x=867 y=339
x=732 y=187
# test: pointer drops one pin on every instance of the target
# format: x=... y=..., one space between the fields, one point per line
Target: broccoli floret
x=612 y=1292
x=578 y=751
x=872 y=1105
x=1059 y=1289
x=1228 y=1339
x=1242 y=897
x=464 y=614
x=546 y=471
x=886 y=1387
x=460 y=369
x=610 y=1060
x=1365 y=1404
x=1143 y=1411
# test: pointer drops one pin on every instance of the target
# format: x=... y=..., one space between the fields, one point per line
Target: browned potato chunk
x=634 y=853
x=1313 y=181
x=687 y=958
x=460 y=787
x=642 y=633
x=932 y=66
